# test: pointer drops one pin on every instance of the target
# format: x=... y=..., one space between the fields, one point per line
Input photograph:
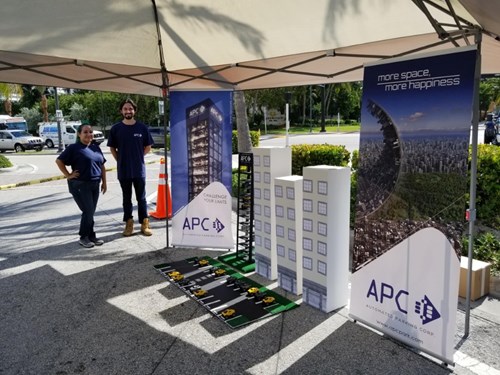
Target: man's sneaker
x=85 y=242
x=129 y=228
x=97 y=241
x=145 y=228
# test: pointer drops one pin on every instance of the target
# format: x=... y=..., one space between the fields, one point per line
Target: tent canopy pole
x=164 y=95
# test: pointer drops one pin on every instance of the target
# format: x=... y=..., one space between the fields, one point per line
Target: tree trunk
x=244 y=141
x=43 y=105
x=8 y=106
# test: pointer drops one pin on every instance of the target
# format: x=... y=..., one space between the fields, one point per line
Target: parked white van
x=48 y=132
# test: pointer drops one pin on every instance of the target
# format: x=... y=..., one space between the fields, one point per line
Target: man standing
x=129 y=140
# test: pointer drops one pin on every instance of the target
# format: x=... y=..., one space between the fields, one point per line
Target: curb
x=9 y=169
x=33 y=182
x=47 y=179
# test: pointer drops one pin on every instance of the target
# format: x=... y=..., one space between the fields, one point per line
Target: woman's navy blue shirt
x=88 y=160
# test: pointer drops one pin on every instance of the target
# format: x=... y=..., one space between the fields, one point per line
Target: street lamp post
x=264 y=110
x=288 y=96
x=322 y=109
x=59 y=117
x=310 y=110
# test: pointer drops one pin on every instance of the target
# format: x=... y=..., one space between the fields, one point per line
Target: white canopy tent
x=224 y=44
x=150 y=47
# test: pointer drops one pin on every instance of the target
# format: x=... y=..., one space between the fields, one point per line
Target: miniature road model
x=225 y=293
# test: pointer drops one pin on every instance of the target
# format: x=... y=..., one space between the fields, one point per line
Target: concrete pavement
x=66 y=310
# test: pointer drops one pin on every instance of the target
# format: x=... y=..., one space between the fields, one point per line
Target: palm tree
x=6 y=90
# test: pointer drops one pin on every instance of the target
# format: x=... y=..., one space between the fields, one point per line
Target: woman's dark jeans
x=86 y=194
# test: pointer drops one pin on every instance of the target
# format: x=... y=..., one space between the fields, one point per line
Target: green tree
x=31 y=96
x=78 y=113
x=489 y=92
x=32 y=117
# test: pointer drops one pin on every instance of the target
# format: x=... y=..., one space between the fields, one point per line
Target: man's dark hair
x=129 y=101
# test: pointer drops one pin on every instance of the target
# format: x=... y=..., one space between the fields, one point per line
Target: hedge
x=254 y=138
x=4 y=162
x=307 y=155
x=488 y=188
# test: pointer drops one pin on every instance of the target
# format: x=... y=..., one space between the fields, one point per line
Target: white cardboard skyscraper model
x=325 y=236
x=288 y=210
x=269 y=163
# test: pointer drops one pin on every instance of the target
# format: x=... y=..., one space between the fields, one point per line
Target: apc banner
x=412 y=179
x=201 y=163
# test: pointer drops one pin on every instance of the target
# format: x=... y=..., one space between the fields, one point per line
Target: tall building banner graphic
x=412 y=183
x=201 y=164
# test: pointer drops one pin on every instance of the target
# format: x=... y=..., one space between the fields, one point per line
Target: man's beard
x=128 y=116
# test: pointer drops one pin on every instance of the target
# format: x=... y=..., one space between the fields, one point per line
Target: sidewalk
x=105 y=310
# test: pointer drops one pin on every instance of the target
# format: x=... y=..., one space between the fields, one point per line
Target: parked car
x=490 y=131
x=158 y=135
x=19 y=140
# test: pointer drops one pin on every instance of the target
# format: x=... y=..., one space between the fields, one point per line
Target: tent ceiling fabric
x=221 y=44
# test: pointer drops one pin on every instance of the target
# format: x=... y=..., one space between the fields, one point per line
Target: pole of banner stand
x=473 y=181
x=167 y=196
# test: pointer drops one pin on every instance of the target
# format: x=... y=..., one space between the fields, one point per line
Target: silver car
x=19 y=140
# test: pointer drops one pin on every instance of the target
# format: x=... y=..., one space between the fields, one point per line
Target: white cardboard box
x=480 y=280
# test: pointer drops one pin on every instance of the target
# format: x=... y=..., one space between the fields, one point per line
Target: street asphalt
x=105 y=310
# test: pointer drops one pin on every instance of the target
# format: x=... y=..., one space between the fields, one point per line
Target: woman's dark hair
x=129 y=101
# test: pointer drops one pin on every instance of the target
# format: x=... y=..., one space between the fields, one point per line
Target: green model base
x=239 y=262
x=225 y=293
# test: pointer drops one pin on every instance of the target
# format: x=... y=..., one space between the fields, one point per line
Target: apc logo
x=202 y=223
x=426 y=310
x=218 y=226
x=384 y=293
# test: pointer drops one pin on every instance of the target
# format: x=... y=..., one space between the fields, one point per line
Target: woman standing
x=87 y=170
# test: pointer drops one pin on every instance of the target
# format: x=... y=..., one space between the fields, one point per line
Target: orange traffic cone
x=161 y=198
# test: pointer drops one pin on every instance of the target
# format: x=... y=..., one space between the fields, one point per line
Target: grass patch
x=315 y=129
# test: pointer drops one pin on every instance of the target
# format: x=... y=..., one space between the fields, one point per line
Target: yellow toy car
x=268 y=300
x=219 y=272
x=199 y=293
x=253 y=290
x=178 y=277
x=203 y=262
x=227 y=313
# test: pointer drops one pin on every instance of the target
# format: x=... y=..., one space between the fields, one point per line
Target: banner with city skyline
x=411 y=198
x=201 y=164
